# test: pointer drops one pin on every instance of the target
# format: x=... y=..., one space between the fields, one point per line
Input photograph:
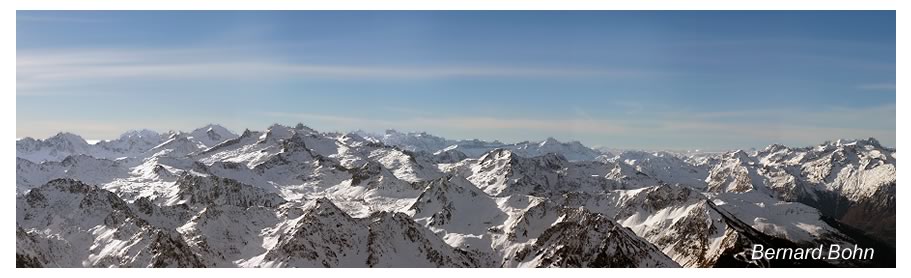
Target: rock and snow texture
x=583 y=239
x=423 y=142
x=297 y=197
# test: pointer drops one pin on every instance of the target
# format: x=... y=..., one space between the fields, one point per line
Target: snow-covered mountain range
x=423 y=142
x=297 y=197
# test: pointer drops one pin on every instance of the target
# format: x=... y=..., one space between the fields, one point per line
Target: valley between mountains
x=292 y=196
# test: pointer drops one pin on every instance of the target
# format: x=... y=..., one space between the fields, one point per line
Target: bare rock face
x=585 y=239
x=220 y=191
x=89 y=218
x=327 y=237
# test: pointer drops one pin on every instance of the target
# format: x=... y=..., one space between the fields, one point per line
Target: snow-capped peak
x=67 y=138
x=143 y=134
x=212 y=134
x=549 y=141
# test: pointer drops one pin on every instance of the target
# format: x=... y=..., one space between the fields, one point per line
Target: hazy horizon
x=536 y=140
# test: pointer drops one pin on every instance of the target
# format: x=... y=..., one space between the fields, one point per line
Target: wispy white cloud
x=37 y=69
x=818 y=116
x=57 y=18
x=877 y=86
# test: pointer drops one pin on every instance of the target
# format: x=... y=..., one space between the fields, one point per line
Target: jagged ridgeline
x=297 y=197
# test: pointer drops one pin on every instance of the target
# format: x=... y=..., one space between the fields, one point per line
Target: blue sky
x=623 y=79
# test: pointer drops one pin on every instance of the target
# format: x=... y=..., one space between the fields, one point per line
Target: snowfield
x=297 y=197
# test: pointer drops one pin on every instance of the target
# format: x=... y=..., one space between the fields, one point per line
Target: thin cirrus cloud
x=59 y=68
x=57 y=19
x=877 y=87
